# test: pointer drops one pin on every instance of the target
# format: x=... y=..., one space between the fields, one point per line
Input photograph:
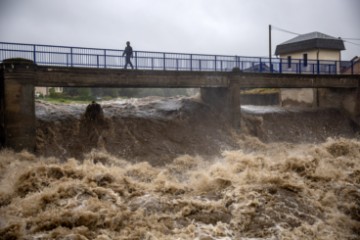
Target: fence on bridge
x=112 y=58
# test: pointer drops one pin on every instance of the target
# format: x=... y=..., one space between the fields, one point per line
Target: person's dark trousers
x=128 y=62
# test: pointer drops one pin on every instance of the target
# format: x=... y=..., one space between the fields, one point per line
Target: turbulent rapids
x=171 y=168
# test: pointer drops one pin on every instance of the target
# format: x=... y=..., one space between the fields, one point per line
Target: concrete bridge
x=219 y=89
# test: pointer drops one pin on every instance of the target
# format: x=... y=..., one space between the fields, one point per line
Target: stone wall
x=303 y=97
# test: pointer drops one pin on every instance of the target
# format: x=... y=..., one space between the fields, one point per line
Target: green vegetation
x=63 y=100
x=260 y=91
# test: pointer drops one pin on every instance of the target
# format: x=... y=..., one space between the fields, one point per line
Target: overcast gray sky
x=231 y=27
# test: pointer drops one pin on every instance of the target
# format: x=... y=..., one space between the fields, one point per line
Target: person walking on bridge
x=128 y=52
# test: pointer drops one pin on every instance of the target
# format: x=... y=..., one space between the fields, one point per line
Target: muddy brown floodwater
x=171 y=168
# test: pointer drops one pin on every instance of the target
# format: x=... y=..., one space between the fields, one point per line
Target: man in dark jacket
x=128 y=52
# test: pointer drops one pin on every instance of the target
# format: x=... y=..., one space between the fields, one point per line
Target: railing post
x=34 y=52
x=136 y=60
x=177 y=64
x=260 y=65
x=336 y=64
x=104 y=58
x=280 y=67
x=221 y=65
x=352 y=67
x=164 y=61
x=215 y=62
x=71 y=57
x=97 y=61
x=300 y=66
x=152 y=63
x=296 y=67
x=318 y=67
x=200 y=64
x=190 y=62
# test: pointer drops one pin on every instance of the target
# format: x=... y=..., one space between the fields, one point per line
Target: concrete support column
x=17 y=104
x=2 y=113
x=235 y=116
x=315 y=103
x=226 y=101
x=357 y=102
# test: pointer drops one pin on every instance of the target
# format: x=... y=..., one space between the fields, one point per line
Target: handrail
x=112 y=58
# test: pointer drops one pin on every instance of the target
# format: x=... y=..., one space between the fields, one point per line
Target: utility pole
x=270 y=48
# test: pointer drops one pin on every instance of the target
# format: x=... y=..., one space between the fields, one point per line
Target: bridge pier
x=357 y=103
x=17 y=105
x=226 y=101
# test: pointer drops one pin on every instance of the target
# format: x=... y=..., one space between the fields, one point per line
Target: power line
x=354 y=39
x=357 y=44
x=294 y=33
x=286 y=31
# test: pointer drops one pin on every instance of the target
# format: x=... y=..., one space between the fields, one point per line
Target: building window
x=289 y=61
x=305 y=59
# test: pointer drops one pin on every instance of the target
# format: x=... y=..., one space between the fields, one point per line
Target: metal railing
x=112 y=58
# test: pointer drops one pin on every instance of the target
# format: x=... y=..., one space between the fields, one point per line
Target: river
x=171 y=168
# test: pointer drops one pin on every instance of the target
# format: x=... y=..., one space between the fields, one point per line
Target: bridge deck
x=93 y=77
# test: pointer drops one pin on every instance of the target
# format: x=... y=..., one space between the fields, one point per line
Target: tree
x=52 y=92
x=71 y=91
x=85 y=93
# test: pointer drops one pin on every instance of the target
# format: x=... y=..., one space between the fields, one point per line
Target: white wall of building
x=45 y=90
x=324 y=54
x=305 y=96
